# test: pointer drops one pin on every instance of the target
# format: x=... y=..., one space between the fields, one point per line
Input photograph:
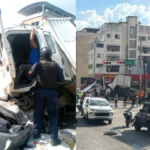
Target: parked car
x=142 y=118
x=97 y=108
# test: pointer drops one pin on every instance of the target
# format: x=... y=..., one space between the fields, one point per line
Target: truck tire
x=137 y=125
x=148 y=128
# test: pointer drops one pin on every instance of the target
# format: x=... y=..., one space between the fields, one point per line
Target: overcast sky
x=93 y=13
x=10 y=8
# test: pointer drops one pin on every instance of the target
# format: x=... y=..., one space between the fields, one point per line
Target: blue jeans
x=48 y=98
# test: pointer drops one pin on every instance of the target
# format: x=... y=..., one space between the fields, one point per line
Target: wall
x=82 y=53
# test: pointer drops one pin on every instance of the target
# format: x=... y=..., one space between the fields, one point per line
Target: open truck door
x=6 y=59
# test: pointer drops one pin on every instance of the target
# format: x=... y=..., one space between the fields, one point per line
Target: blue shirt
x=60 y=76
x=34 y=55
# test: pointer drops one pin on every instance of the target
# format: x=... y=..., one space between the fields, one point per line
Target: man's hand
x=32 y=42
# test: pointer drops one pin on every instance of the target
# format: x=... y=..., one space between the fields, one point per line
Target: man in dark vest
x=47 y=74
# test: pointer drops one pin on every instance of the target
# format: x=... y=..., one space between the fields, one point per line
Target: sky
x=93 y=13
x=10 y=8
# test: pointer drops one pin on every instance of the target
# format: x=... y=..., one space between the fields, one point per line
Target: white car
x=97 y=108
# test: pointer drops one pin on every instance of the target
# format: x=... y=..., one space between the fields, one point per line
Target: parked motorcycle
x=128 y=117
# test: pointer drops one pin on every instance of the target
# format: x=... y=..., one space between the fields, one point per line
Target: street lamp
x=145 y=64
x=141 y=38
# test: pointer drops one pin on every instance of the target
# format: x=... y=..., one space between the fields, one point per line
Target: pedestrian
x=125 y=100
x=116 y=100
x=137 y=100
x=95 y=93
x=140 y=100
x=133 y=99
x=47 y=74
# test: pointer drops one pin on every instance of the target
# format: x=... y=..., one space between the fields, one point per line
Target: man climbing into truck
x=34 y=53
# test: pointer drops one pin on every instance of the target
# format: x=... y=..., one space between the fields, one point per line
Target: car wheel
x=88 y=121
x=137 y=125
x=149 y=128
x=83 y=116
x=110 y=121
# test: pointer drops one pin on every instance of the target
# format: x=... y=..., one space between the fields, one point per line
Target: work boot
x=55 y=142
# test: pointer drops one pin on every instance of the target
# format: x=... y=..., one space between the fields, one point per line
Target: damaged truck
x=16 y=106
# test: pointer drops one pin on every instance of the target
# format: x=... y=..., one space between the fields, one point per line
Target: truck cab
x=15 y=49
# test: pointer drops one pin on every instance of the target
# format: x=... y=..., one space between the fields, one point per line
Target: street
x=90 y=136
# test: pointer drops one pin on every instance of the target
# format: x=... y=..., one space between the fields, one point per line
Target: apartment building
x=116 y=43
x=83 y=38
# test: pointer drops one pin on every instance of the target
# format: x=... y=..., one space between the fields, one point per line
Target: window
x=113 y=48
x=143 y=38
x=87 y=102
x=98 y=55
x=91 y=66
x=117 y=36
x=50 y=43
x=98 y=65
x=112 y=58
x=91 y=46
x=112 y=68
x=148 y=37
x=100 y=45
x=108 y=35
x=132 y=54
x=132 y=32
x=132 y=43
x=37 y=23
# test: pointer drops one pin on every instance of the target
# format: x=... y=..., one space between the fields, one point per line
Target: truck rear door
x=6 y=55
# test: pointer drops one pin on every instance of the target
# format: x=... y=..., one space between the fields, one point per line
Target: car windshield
x=99 y=103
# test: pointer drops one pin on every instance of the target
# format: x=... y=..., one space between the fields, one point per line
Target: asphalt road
x=90 y=136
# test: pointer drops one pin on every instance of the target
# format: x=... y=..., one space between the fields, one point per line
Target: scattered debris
x=110 y=133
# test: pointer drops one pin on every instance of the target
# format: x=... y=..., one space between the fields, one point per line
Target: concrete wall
x=82 y=50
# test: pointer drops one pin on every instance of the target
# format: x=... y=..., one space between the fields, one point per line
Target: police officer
x=47 y=74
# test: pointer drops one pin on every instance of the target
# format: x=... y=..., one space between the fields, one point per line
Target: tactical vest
x=47 y=75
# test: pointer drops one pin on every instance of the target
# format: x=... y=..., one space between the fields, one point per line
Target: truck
x=120 y=83
x=16 y=105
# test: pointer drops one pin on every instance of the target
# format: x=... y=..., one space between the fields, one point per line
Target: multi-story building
x=116 y=43
x=83 y=38
x=36 y=12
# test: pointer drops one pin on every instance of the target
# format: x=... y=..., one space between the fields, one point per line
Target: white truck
x=14 y=87
x=120 y=81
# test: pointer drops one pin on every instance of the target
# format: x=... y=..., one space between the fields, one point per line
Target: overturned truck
x=16 y=106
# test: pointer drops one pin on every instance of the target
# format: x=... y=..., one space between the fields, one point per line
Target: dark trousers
x=116 y=101
x=124 y=103
x=48 y=98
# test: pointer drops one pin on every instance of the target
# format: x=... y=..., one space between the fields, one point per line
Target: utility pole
x=144 y=76
x=140 y=64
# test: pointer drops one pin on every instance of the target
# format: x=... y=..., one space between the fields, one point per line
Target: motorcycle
x=128 y=117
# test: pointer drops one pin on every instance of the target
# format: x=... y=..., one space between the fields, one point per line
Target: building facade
x=83 y=38
x=116 y=43
x=36 y=12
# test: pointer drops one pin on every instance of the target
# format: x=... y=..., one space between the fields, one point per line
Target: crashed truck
x=120 y=84
x=16 y=106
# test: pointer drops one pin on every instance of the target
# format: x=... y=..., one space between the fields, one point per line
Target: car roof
x=98 y=98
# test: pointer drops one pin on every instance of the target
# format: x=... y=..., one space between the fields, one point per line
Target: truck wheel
x=149 y=128
x=110 y=121
x=137 y=125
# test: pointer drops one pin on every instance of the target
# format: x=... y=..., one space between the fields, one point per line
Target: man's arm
x=60 y=76
x=32 y=72
x=32 y=42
